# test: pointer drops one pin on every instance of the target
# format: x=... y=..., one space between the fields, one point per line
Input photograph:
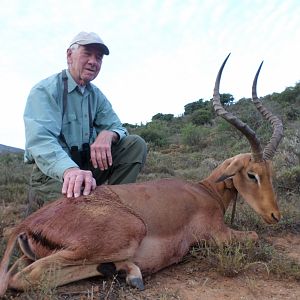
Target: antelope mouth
x=273 y=218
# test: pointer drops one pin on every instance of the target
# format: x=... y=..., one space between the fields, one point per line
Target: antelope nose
x=276 y=216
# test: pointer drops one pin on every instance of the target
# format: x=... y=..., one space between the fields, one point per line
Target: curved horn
x=256 y=148
x=277 y=135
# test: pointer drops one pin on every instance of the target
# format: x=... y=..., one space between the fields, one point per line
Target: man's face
x=84 y=63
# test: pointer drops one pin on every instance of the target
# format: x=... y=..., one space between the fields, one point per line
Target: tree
x=163 y=117
x=201 y=116
x=193 y=135
x=226 y=99
x=191 y=107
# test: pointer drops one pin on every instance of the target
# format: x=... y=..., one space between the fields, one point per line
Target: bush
x=292 y=113
x=289 y=179
x=163 y=117
x=193 y=135
x=290 y=95
x=201 y=116
x=154 y=137
x=193 y=106
x=155 y=133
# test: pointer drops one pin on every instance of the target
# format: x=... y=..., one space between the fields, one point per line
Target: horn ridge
x=256 y=149
x=276 y=123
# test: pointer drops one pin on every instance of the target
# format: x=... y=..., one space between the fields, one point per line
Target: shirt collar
x=72 y=83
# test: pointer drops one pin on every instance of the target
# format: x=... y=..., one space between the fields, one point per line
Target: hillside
x=190 y=147
x=8 y=149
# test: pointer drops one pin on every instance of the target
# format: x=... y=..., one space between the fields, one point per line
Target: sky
x=163 y=54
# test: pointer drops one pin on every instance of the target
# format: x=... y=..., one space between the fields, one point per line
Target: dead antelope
x=141 y=228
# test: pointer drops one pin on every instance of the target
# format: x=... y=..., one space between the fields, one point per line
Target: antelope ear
x=224 y=177
x=232 y=167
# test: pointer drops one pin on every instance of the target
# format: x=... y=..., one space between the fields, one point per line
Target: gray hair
x=74 y=47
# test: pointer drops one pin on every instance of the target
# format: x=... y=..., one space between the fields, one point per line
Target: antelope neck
x=215 y=195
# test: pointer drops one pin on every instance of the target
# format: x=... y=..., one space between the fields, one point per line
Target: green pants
x=129 y=156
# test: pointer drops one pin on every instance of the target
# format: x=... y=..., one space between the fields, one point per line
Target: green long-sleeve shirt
x=44 y=122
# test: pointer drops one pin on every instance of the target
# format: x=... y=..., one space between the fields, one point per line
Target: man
x=74 y=139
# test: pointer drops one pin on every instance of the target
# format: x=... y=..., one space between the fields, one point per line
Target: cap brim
x=103 y=47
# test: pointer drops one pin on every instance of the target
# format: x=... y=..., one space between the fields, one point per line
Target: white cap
x=86 y=38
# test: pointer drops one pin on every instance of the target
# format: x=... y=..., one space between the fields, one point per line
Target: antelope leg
x=228 y=235
x=133 y=273
x=55 y=269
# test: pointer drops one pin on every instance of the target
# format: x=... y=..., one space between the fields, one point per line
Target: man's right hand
x=76 y=179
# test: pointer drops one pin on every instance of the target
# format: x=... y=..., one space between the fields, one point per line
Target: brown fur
x=141 y=227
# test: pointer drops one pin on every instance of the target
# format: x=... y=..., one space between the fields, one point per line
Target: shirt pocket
x=72 y=130
x=69 y=118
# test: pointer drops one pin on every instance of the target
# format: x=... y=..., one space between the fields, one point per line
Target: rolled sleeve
x=42 y=119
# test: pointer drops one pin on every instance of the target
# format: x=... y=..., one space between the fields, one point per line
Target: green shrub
x=193 y=106
x=155 y=133
x=163 y=117
x=154 y=137
x=193 y=135
x=292 y=113
x=290 y=95
x=289 y=179
x=201 y=116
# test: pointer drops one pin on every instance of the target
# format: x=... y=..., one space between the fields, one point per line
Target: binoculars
x=81 y=158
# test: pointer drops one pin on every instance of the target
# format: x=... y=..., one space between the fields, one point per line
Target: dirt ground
x=180 y=282
x=191 y=280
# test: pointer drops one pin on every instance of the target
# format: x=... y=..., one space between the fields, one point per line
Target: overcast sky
x=164 y=54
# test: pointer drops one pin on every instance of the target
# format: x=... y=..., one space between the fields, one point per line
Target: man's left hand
x=101 y=149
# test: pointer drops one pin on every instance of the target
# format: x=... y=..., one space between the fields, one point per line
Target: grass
x=238 y=258
x=260 y=259
x=246 y=219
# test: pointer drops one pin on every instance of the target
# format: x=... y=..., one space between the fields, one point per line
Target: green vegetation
x=237 y=258
x=190 y=147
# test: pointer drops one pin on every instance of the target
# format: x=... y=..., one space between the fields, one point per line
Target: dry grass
x=259 y=259
x=239 y=258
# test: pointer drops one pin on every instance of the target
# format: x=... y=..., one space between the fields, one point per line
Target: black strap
x=65 y=93
x=65 y=97
x=90 y=120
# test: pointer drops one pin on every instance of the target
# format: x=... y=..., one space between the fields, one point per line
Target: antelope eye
x=252 y=177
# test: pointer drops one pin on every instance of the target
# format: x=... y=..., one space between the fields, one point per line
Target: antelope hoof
x=137 y=282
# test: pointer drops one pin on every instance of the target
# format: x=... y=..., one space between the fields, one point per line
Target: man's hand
x=76 y=179
x=101 y=149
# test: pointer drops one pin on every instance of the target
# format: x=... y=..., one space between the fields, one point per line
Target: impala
x=141 y=228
